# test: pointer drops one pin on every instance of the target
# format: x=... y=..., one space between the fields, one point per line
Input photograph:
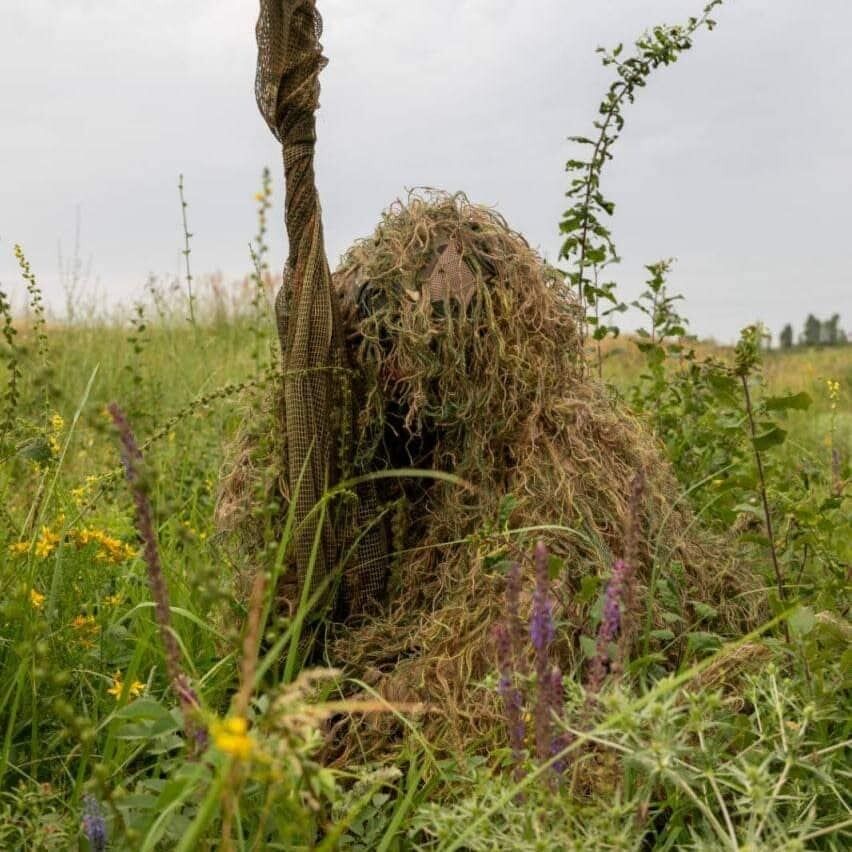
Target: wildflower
x=134 y=690
x=131 y=457
x=833 y=391
x=110 y=549
x=112 y=600
x=541 y=633
x=511 y=695
x=94 y=825
x=557 y=706
x=610 y=625
x=231 y=736
x=513 y=616
x=57 y=424
x=36 y=599
x=19 y=548
x=78 y=495
x=86 y=624
x=259 y=196
x=46 y=543
x=541 y=620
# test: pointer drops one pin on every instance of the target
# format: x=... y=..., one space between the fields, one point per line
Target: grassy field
x=743 y=746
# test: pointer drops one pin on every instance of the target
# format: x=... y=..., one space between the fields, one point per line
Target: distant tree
x=812 y=335
x=785 y=339
x=831 y=330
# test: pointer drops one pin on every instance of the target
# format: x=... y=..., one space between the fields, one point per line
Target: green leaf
x=589 y=587
x=773 y=437
x=554 y=567
x=797 y=401
x=703 y=610
x=802 y=621
x=143 y=708
x=701 y=642
x=588 y=646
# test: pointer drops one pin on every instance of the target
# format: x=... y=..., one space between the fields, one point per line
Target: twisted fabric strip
x=317 y=397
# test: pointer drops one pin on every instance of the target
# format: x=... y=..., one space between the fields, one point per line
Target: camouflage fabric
x=318 y=403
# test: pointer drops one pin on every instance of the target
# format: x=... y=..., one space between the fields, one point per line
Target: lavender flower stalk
x=512 y=698
x=131 y=457
x=557 y=704
x=94 y=825
x=610 y=624
x=619 y=598
x=541 y=634
x=513 y=617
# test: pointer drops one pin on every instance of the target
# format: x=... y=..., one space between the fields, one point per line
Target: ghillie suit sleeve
x=318 y=403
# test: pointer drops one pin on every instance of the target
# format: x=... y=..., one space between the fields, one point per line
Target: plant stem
x=186 y=251
x=767 y=515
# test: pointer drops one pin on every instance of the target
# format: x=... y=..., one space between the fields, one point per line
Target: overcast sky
x=737 y=161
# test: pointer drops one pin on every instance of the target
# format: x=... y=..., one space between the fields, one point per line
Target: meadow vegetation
x=742 y=746
x=155 y=695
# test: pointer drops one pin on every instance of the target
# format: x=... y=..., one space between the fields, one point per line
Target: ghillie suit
x=456 y=350
x=479 y=373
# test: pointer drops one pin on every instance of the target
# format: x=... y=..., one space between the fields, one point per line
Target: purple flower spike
x=541 y=620
x=512 y=698
x=94 y=825
x=513 y=617
x=557 y=702
x=610 y=626
x=541 y=633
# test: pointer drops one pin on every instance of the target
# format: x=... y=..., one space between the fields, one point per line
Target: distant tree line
x=816 y=332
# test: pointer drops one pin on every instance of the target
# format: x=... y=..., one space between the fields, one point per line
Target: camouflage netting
x=467 y=360
x=316 y=400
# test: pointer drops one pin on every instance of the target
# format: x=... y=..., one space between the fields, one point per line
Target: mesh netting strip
x=287 y=90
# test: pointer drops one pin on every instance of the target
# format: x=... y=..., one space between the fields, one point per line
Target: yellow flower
x=112 y=600
x=259 y=196
x=78 y=495
x=19 y=548
x=56 y=422
x=110 y=549
x=231 y=736
x=86 y=624
x=46 y=543
x=36 y=599
x=133 y=691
